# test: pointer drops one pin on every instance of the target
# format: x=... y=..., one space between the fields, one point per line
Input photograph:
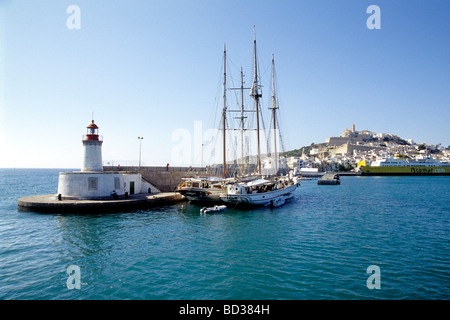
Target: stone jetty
x=51 y=203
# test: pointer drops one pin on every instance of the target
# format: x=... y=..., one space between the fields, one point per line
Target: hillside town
x=344 y=152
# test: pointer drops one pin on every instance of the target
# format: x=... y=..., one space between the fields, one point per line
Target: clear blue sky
x=153 y=68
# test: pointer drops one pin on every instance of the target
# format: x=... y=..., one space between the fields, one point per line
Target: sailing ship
x=208 y=189
x=261 y=192
x=251 y=189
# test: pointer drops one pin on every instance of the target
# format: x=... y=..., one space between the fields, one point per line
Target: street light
x=140 y=144
x=202 y=154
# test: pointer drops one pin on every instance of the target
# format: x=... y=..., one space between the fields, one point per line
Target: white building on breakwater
x=94 y=183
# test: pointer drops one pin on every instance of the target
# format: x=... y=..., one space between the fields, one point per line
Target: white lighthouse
x=94 y=183
x=92 y=145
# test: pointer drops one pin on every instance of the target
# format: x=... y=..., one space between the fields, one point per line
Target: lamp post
x=140 y=144
x=202 y=154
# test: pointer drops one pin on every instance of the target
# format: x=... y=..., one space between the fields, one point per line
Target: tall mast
x=274 y=107
x=242 y=122
x=241 y=118
x=224 y=111
x=256 y=95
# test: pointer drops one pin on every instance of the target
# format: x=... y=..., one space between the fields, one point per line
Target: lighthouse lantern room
x=92 y=131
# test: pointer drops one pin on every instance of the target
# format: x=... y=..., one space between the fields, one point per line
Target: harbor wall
x=166 y=179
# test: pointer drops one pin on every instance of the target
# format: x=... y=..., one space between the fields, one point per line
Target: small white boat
x=213 y=209
x=275 y=203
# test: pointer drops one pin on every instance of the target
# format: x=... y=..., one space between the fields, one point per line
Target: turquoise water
x=317 y=246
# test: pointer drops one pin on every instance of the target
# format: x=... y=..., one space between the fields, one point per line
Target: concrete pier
x=50 y=203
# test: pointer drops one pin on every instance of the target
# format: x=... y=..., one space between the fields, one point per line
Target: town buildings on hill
x=344 y=152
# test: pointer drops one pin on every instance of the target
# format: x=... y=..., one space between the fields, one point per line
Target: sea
x=369 y=238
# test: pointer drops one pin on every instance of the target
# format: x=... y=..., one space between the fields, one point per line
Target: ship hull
x=200 y=195
x=405 y=170
x=259 y=199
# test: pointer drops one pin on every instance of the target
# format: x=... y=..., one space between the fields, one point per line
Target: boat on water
x=404 y=165
x=208 y=189
x=329 y=179
x=216 y=208
x=272 y=190
x=276 y=203
x=261 y=192
x=251 y=189
x=202 y=189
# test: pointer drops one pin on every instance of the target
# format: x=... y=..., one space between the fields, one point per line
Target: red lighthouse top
x=92 y=131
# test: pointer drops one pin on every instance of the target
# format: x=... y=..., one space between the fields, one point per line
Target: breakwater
x=51 y=203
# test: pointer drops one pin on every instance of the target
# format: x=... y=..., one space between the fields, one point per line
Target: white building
x=94 y=183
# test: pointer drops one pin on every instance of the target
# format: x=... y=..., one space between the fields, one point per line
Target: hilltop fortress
x=351 y=141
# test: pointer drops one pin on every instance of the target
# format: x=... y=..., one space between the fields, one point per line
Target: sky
x=154 y=69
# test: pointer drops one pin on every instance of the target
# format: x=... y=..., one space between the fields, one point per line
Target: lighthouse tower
x=92 y=145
